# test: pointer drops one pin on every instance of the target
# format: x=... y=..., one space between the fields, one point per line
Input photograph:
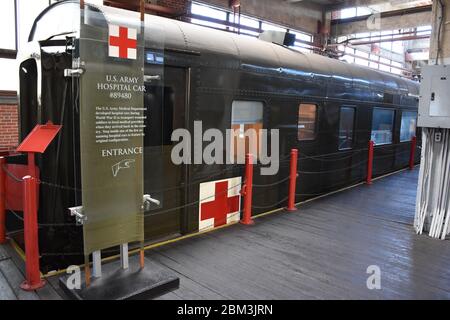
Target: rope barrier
x=271 y=184
x=209 y=176
x=354 y=153
x=270 y=206
x=330 y=189
x=196 y=181
x=11 y=175
x=42 y=224
x=113 y=251
x=209 y=197
x=195 y=202
x=200 y=180
x=15 y=213
x=53 y=185
x=13 y=233
x=392 y=155
x=17 y=179
x=335 y=170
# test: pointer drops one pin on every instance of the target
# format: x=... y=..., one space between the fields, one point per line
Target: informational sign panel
x=112 y=117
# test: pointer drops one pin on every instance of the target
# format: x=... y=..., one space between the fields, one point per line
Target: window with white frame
x=423 y=30
x=374 y=61
x=8 y=40
x=208 y=12
x=348 y=13
x=244 y=25
x=352 y=12
x=383 y=60
x=363 y=11
x=16 y=20
x=27 y=11
x=248 y=22
x=268 y=26
x=363 y=61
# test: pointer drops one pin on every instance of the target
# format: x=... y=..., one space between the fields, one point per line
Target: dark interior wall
x=178 y=5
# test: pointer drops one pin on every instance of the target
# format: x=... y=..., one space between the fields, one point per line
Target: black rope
x=391 y=155
x=13 y=233
x=58 y=186
x=193 y=203
x=11 y=175
x=193 y=182
x=15 y=213
x=335 y=170
x=40 y=224
x=272 y=205
x=271 y=184
x=318 y=157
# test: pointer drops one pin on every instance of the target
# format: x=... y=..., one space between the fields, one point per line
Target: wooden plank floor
x=321 y=251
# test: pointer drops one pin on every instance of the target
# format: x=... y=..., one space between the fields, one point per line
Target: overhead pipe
x=392 y=35
x=407 y=38
x=342 y=53
x=386 y=14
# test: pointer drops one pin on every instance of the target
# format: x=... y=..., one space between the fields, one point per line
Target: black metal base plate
x=118 y=284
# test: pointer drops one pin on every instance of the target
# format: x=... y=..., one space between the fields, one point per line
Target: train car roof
x=246 y=51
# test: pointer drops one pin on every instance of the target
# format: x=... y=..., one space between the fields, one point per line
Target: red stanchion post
x=370 y=162
x=412 y=155
x=33 y=276
x=2 y=201
x=248 y=191
x=293 y=180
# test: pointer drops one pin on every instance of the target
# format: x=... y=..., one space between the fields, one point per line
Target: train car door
x=165 y=100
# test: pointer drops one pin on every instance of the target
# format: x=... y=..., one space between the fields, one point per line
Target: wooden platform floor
x=321 y=251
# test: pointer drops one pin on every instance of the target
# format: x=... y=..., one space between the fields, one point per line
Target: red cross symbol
x=221 y=206
x=123 y=42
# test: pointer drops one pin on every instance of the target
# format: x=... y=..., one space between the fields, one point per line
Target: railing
x=30 y=195
x=294 y=174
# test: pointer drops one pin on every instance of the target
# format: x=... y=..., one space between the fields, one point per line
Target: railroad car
x=325 y=108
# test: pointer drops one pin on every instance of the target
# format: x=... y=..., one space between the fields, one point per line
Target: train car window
x=408 y=126
x=246 y=115
x=382 y=126
x=307 y=117
x=346 y=125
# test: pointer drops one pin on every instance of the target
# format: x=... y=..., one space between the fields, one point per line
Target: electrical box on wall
x=434 y=103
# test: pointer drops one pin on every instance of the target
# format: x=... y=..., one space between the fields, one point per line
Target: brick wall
x=179 y=5
x=9 y=132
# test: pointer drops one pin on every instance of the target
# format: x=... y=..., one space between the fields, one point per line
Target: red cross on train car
x=122 y=42
x=220 y=203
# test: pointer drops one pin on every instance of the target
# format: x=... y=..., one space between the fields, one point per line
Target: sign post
x=110 y=67
x=36 y=142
